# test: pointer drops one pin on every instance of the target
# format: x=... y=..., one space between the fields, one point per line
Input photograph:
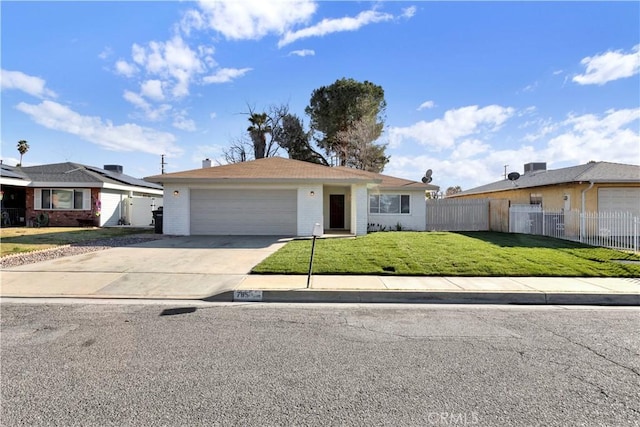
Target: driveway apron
x=185 y=267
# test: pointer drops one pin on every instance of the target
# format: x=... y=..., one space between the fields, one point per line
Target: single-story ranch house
x=278 y=196
x=591 y=187
x=72 y=194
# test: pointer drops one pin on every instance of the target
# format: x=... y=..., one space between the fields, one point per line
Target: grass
x=23 y=239
x=451 y=254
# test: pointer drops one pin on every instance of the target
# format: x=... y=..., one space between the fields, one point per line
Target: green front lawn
x=450 y=254
x=23 y=239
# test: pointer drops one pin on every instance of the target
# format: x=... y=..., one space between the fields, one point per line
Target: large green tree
x=290 y=135
x=341 y=111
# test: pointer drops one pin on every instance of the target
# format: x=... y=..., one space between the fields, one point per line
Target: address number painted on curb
x=255 y=296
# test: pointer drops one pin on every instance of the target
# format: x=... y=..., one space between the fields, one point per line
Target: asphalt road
x=235 y=364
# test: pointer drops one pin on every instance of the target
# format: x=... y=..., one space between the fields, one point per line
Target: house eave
x=13 y=182
x=104 y=185
x=253 y=181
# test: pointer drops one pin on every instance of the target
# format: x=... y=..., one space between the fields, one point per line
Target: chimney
x=114 y=168
x=535 y=167
x=206 y=163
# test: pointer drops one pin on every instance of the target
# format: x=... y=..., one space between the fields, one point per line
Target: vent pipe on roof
x=534 y=167
x=114 y=168
x=206 y=163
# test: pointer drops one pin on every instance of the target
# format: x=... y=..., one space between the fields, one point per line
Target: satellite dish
x=429 y=173
x=426 y=179
x=513 y=176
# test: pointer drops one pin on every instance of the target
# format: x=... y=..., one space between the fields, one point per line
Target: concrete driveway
x=180 y=267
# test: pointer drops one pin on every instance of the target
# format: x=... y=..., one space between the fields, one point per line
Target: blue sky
x=470 y=87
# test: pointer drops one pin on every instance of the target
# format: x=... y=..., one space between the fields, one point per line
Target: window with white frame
x=535 y=199
x=389 y=204
x=62 y=199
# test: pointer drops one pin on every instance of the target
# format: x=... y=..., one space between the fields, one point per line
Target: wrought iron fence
x=13 y=216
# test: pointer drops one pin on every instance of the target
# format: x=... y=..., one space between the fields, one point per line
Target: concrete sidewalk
x=280 y=288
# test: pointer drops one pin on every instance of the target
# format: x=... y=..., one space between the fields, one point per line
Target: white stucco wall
x=416 y=220
x=175 y=211
x=359 y=209
x=309 y=209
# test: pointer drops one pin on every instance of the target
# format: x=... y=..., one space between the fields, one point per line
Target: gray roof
x=76 y=173
x=597 y=172
x=12 y=172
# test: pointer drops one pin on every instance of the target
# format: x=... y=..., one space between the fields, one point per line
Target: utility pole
x=162 y=163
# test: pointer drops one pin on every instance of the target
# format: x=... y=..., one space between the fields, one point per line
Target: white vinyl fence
x=458 y=215
x=617 y=230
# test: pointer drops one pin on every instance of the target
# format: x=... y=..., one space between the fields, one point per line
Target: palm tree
x=23 y=147
x=257 y=131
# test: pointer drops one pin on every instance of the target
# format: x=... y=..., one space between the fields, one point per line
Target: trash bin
x=157 y=220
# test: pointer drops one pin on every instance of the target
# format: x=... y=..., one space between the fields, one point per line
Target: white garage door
x=260 y=212
x=619 y=200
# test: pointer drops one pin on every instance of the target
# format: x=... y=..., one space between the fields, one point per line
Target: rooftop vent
x=534 y=167
x=114 y=168
x=206 y=163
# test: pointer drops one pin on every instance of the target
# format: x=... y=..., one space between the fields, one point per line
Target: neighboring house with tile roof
x=591 y=187
x=71 y=194
x=278 y=196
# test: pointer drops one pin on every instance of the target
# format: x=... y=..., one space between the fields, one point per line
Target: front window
x=61 y=199
x=389 y=203
x=535 y=199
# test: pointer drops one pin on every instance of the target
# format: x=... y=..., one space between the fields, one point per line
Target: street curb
x=413 y=297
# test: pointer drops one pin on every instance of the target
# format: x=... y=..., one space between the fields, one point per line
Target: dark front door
x=336 y=211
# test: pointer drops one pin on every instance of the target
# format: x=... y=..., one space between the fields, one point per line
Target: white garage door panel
x=619 y=200
x=261 y=212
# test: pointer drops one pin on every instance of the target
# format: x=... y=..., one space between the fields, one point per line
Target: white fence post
x=617 y=230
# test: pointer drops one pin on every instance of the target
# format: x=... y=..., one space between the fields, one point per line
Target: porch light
x=176 y=193
x=312 y=193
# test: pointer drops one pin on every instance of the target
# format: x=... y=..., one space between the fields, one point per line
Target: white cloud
x=213 y=116
x=409 y=12
x=180 y=121
x=469 y=148
x=249 y=19
x=150 y=112
x=172 y=61
x=107 y=52
x=609 y=66
x=225 y=75
x=125 y=69
x=126 y=137
x=611 y=137
x=328 y=26
x=426 y=105
x=152 y=89
x=32 y=85
x=303 y=52
x=458 y=123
